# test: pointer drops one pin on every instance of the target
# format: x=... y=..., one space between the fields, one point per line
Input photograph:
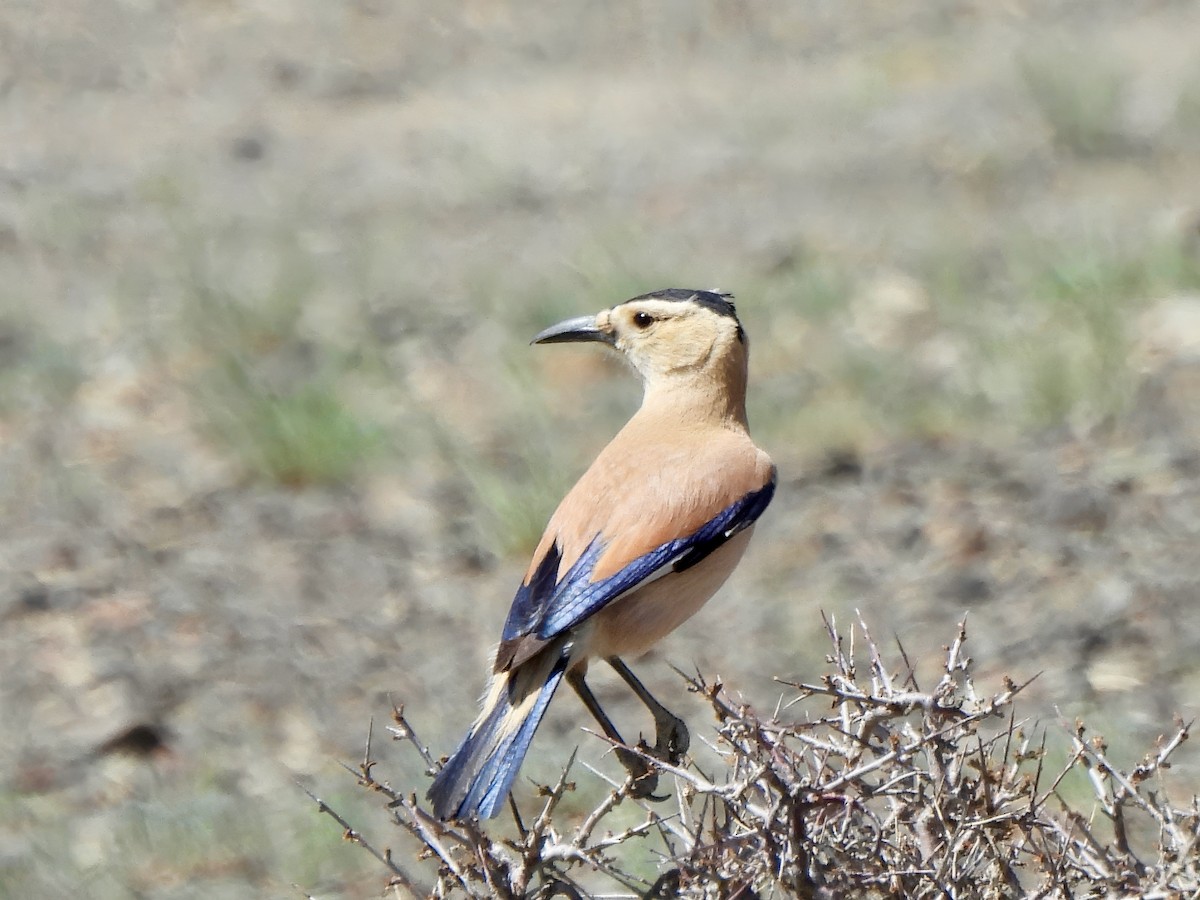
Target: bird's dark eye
x=643 y=319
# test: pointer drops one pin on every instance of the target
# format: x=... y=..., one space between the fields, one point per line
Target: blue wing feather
x=547 y=608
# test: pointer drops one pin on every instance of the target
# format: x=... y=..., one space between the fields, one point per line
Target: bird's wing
x=634 y=544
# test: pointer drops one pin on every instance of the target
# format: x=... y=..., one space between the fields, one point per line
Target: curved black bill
x=581 y=328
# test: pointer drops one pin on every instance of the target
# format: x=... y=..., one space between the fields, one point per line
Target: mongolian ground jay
x=647 y=535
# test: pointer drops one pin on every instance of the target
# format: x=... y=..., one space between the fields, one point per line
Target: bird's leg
x=671 y=738
x=645 y=780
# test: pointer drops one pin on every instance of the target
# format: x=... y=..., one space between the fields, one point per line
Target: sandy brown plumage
x=649 y=532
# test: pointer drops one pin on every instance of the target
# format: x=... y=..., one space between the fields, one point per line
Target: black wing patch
x=529 y=605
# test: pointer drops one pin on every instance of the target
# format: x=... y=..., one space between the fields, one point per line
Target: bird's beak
x=582 y=328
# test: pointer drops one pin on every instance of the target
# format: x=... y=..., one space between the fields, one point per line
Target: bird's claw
x=644 y=778
x=671 y=739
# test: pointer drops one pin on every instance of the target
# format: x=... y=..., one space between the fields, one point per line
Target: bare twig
x=350 y=834
x=856 y=782
x=402 y=731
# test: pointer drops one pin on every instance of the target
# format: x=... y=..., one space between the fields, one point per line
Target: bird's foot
x=671 y=742
x=671 y=738
x=642 y=773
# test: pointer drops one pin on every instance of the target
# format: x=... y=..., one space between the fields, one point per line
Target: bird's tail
x=477 y=778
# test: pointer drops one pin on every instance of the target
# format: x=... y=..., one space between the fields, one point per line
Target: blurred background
x=274 y=448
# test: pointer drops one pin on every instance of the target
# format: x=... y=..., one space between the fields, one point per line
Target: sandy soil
x=183 y=640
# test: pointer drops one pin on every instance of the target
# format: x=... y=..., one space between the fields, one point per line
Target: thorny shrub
x=862 y=785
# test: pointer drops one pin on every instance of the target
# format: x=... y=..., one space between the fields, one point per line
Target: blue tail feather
x=477 y=778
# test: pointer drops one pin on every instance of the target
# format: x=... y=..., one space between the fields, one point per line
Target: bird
x=646 y=536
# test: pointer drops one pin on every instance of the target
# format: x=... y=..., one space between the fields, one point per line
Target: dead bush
x=863 y=784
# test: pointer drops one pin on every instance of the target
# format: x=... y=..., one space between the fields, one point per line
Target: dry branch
x=860 y=785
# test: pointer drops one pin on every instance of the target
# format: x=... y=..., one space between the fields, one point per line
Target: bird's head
x=665 y=334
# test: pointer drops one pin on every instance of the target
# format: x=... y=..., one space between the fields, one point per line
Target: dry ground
x=273 y=447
